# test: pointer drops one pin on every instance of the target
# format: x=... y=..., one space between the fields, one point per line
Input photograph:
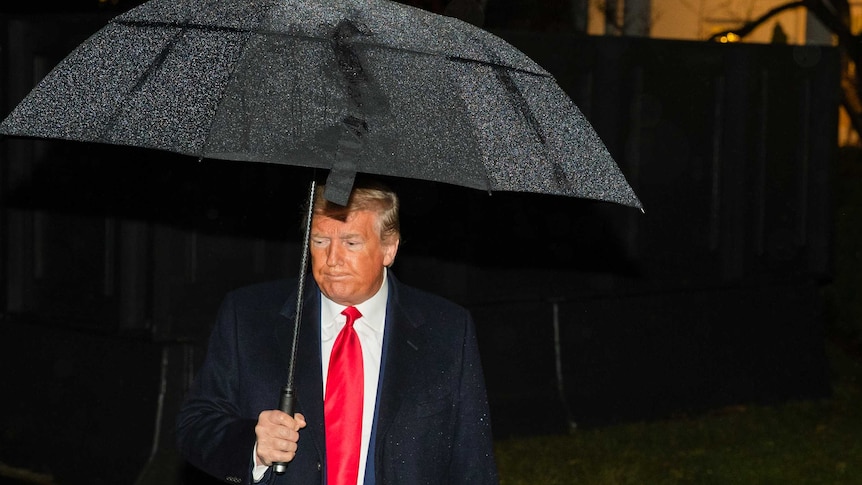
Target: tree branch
x=749 y=27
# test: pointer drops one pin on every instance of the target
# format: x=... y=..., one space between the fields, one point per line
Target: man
x=422 y=402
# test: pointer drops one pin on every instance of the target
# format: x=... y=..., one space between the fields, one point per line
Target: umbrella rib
x=109 y=124
x=427 y=52
x=499 y=65
x=185 y=26
x=517 y=98
x=179 y=25
x=158 y=62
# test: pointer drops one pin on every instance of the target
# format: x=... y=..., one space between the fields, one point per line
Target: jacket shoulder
x=416 y=295
x=270 y=295
x=422 y=305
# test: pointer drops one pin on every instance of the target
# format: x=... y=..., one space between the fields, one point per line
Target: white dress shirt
x=369 y=327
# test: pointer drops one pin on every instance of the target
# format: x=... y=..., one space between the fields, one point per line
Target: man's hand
x=277 y=436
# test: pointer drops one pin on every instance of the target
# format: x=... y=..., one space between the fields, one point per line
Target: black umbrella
x=347 y=86
x=350 y=86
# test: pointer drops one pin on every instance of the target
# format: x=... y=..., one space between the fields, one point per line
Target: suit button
x=319 y=466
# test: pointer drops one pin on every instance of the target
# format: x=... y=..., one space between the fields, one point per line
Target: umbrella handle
x=288 y=398
x=285 y=405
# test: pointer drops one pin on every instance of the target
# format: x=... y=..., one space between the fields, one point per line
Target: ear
x=389 y=251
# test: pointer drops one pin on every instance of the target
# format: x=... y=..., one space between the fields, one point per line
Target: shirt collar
x=373 y=311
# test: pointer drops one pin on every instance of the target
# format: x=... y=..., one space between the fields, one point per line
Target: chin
x=338 y=295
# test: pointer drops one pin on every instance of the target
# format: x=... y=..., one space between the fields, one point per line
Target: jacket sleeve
x=211 y=432
x=473 y=454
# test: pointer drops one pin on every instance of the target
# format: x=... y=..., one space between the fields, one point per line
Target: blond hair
x=366 y=196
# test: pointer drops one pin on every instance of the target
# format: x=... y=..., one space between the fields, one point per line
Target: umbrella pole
x=288 y=396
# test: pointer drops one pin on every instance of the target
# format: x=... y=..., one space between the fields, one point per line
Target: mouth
x=336 y=276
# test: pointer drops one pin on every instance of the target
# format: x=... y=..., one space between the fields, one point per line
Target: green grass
x=811 y=442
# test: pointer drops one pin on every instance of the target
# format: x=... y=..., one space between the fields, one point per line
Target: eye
x=319 y=242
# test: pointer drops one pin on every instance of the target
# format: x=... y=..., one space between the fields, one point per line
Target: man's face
x=347 y=258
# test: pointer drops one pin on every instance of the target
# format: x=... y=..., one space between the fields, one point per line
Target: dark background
x=114 y=260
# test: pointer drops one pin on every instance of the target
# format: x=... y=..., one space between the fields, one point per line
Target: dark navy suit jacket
x=432 y=424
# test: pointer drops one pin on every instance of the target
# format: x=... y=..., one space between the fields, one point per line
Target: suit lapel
x=402 y=344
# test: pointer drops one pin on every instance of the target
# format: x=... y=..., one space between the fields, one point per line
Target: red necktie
x=343 y=405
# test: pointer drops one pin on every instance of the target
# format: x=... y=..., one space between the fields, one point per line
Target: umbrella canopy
x=351 y=86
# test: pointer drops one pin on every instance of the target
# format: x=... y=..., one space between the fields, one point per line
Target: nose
x=333 y=255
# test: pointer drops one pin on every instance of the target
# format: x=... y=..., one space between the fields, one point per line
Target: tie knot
x=352 y=314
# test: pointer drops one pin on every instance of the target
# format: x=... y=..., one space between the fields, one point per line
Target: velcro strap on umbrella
x=339 y=182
